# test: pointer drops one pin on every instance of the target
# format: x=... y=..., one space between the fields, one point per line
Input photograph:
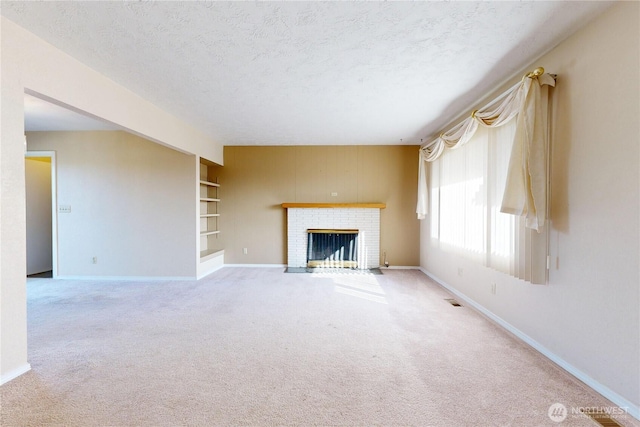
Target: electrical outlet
x=94 y=259
x=64 y=208
x=334 y=194
x=460 y=272
x=245 y=251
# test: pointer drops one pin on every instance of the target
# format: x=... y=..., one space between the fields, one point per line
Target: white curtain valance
x=526 y=187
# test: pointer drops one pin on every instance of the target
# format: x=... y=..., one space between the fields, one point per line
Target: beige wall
x=257 y=180
x=589 y=314
x=132 y=205
x=39 y=218
x=31 y=64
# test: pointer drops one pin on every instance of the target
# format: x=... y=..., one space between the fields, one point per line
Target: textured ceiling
x=279 y=73
x=46 y=116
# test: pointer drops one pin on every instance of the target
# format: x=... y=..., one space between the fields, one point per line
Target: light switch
x=64 y=208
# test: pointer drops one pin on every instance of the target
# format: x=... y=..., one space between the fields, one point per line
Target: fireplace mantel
x=335 y=205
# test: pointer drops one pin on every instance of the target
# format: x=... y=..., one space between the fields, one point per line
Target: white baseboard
x=400 y=267
x=632 y=409
x=15 y=373
x=210 y=271
x=128 y=278
x=257 y=265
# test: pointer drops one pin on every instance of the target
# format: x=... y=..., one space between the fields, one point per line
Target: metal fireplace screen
x=332 y=248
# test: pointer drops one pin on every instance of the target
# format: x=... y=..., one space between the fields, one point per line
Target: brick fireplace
x=364 y=217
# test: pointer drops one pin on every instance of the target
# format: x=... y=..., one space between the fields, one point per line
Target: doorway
x=41 y=215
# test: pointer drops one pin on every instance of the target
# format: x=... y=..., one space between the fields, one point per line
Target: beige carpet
x=257 y=346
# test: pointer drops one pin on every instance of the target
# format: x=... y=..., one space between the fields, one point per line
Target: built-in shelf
x=209 y=199
x=210 y=253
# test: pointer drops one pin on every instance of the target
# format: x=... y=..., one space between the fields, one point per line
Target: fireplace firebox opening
x=332 y=248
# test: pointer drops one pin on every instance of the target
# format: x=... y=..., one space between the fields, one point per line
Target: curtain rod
x=531 y=74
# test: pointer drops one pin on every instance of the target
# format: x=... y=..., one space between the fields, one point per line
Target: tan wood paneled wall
x=257 y=180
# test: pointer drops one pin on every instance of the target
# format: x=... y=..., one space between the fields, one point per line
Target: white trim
x=11 y=375
x=208 y=272
x=632 y=409
x=209 y=263
x=400 y=267
x=257 y=265
x=128 y=278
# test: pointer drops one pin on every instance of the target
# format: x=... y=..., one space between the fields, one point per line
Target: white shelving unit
x=209 y=200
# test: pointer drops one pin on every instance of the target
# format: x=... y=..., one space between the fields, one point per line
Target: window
x=466 y=189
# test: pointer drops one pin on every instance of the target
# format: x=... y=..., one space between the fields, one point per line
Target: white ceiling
x=41 y=115
x=281 y=73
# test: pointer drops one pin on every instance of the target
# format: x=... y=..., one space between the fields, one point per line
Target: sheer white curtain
x=525 y=192
x=488 y=182
x=466 y=188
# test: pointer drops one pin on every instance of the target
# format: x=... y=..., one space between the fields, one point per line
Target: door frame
x=54 y=204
